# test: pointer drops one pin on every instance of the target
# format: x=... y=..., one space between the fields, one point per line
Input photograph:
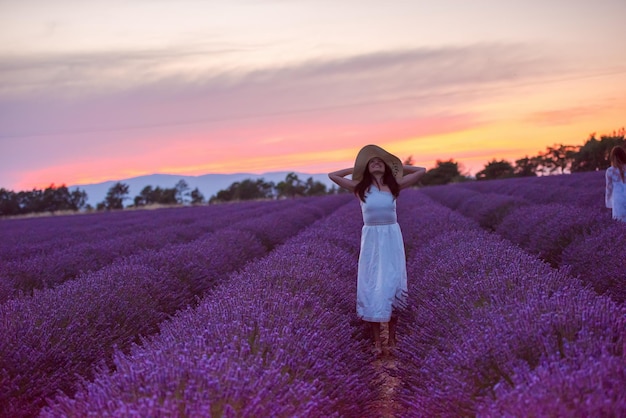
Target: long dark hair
x=388 y=179
x=618 y=159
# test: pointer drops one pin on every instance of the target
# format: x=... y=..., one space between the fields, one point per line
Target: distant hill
x=208 y=184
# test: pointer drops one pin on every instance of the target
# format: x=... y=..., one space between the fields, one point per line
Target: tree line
x=60 y=199
x=291 y=187
x=593 y=155
x=51 y=199
x=177 y=195
x=557 y=159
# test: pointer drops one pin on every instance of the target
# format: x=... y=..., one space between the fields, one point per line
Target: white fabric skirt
x=382 y=279
x=619 y=201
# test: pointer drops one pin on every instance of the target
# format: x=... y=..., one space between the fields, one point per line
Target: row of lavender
x=491 y=331
x=57 y=334
x=24 y=237
x=579 y=237
x=494 y=331
x=45 y=254
x=582 y=189
x=279 y=338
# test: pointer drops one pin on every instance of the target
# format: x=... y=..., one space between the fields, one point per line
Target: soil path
x=385 y=405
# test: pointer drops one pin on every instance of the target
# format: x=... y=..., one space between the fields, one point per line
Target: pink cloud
x=563 y=116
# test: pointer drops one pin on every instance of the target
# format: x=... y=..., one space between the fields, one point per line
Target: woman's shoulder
x=613 y=174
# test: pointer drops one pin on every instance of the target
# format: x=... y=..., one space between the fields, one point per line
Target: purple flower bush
x=422 y=220
x=530 y=189
x=584 y=387
x=57 y=334
x=451 y=195
x=582 y=189
x=273 y=340
x=561 y=219
x=547 y=229
x=258 y=319
x=599 y=259
x=489 y=210
x=21 y=238
x=54 y=263
x=485 y=315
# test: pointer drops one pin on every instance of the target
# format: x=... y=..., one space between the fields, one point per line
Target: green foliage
x=560 y=159
x=293 y=187
x=496 y=170
x=314 y=188
x=150 y=196
x=245 y=190
x=444 y=172
x=557 y=159
x=52 y=199
x=594 y=154
x=181 y=191
x=249 y=189
x=115 y=197
x=526 y=167
x=196 y=197
x=177 y=195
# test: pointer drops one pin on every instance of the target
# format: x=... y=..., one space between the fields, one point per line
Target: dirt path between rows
x=385 y=406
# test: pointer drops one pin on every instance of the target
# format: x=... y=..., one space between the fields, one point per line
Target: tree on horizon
x=197 y=198
x=496 y=169
x=51 y=199
x=594 y=154
x=115 y=197
x=444 y=172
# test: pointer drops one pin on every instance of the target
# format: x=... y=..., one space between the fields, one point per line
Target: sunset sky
x=110 y=89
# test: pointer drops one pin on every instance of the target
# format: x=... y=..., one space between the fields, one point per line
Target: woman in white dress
x=615 y=195
x=377 y=178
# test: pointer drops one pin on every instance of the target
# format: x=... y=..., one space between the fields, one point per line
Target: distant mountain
x=208 y=184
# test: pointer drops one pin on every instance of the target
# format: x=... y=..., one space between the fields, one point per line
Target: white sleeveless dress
x=615 y=195
x=382 y=278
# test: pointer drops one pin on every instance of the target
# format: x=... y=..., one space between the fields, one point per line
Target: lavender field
x=516 y=286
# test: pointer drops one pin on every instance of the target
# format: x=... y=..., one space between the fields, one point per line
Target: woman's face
x=376 y=165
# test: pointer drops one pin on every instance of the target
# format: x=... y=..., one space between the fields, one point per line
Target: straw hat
x=370 y=151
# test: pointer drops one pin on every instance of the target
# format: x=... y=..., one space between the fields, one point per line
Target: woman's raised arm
x=413 y=176
x=339 y=177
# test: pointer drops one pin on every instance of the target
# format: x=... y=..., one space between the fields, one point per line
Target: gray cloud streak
x=68 y=97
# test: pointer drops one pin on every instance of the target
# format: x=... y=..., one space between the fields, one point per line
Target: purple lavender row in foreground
x=48 y=340
x=273 y=340
x=488 y=320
